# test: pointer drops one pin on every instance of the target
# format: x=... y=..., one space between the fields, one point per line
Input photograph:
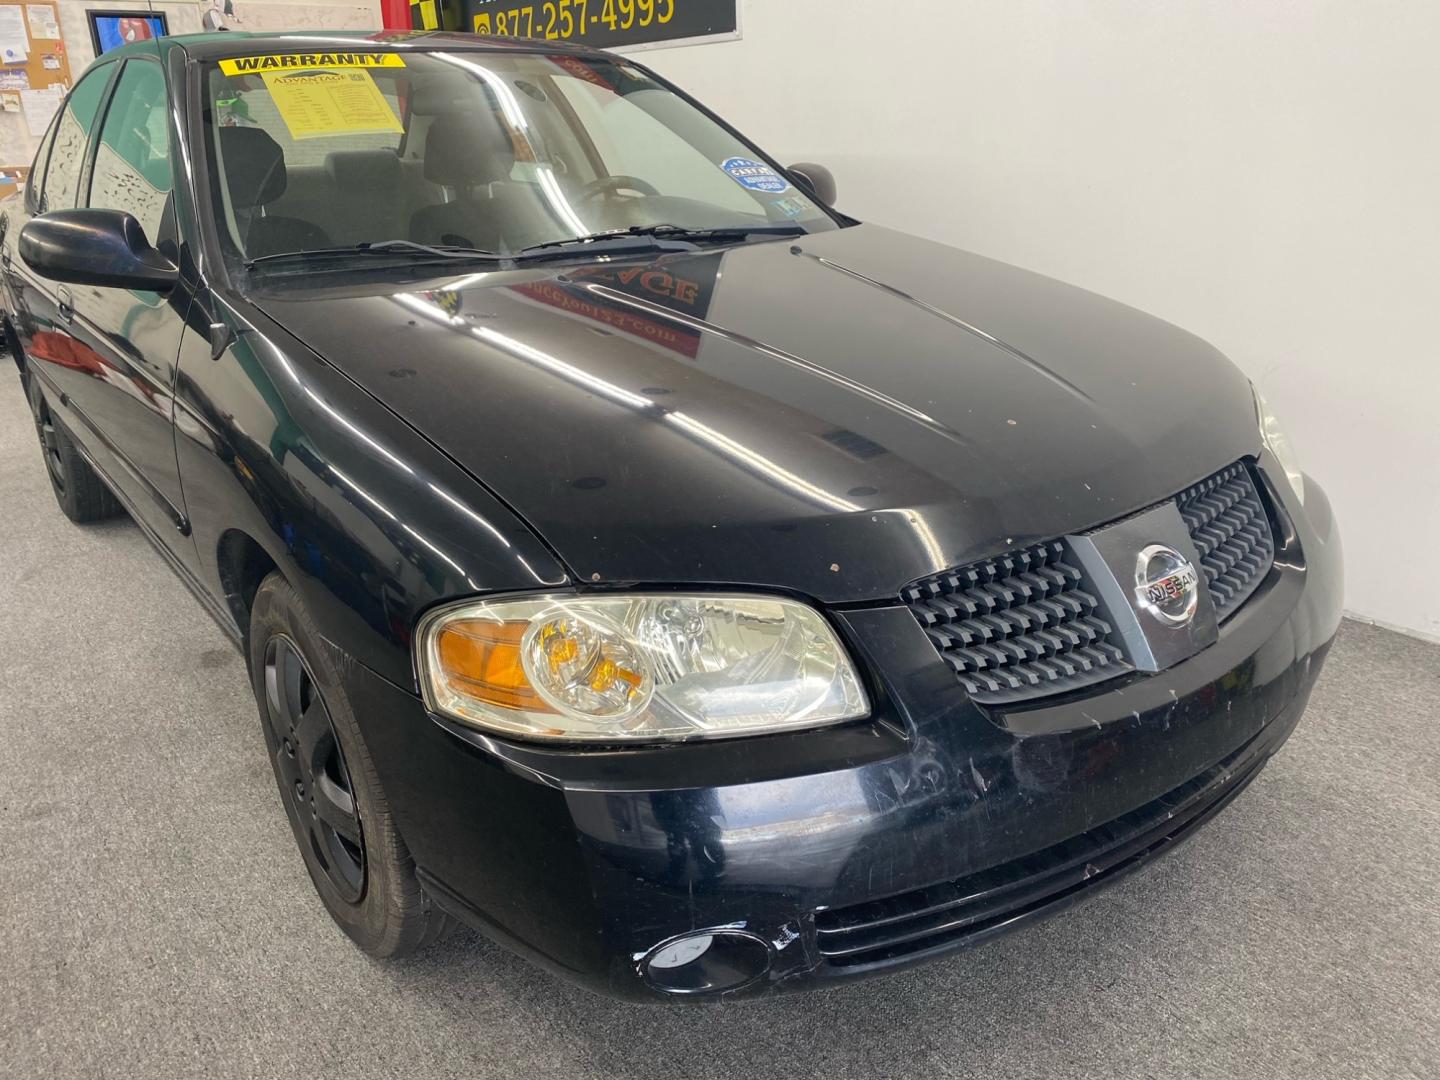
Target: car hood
x=835 y=416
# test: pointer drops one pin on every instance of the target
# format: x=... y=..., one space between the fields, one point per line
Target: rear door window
x=72 y=135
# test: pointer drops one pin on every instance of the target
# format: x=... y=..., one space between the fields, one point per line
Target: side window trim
x=41 y=163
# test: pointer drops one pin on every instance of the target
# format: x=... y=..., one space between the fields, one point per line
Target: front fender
x=367 y=520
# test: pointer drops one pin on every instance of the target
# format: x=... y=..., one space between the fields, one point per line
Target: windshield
x=483 y=151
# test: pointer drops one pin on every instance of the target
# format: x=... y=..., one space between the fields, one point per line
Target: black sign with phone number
x=604 y=23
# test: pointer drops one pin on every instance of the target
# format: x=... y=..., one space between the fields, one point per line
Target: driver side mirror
x=95 y=247
x=815 y=180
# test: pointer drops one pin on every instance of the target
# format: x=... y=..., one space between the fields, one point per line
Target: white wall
x=1263 y=173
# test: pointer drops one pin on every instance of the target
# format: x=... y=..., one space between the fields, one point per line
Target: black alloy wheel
x=81 y=493
x=315 y=781
x=328 y=781
x=49 y=444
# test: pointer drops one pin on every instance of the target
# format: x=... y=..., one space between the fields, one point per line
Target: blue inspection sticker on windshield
x=755 y=175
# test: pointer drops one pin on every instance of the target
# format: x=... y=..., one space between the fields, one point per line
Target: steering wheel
x=609 y=185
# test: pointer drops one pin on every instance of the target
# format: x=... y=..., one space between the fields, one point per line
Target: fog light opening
x=706 y=962
x=679 y=953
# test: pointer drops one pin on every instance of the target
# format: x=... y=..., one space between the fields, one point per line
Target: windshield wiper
x=664 y=237
x=625 y=239
x=618 y=241
x=385 y=247
x=724 y=232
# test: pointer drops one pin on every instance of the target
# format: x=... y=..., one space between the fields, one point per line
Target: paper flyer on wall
x=39 y=107
x=42 y=21
x=14 y=41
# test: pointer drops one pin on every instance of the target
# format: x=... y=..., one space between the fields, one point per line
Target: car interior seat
x=255 y=176
x=368 y=192
x=470 y=155
x=469 y=152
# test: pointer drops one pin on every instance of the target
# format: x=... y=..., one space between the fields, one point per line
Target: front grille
x=1027 y=624
x=893 y=929
x=1018 y=625
x=1232 y=534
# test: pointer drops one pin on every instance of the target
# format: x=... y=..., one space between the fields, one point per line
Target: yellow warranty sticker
x=316 y=103
x=256 y=65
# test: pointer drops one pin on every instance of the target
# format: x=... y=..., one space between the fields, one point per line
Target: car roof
x=221 y=44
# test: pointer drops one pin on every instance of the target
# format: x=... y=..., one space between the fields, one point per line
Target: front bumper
x=835 y=854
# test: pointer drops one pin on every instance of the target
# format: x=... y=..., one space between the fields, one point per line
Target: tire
x=81 y=493
x=361 y=868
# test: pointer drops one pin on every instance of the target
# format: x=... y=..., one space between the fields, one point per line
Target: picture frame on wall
x=112 y=29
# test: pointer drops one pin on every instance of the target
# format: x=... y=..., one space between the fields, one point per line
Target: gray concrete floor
x=157 y=921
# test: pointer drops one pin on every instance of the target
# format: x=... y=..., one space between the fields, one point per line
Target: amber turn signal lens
x=481 y=659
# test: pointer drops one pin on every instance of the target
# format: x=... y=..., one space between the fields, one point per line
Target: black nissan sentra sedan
x=693 y=588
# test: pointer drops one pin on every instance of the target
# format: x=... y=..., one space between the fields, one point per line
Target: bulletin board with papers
x=34 y=78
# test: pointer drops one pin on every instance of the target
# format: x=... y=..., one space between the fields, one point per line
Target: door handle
x=65 y=304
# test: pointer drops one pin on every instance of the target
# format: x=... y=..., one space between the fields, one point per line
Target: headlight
x=1279 y=444
x=632 y=668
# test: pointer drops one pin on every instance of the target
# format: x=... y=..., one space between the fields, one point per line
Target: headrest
x=254 y=166
x=442 y=95
x=465 y=149
x=358 y=170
